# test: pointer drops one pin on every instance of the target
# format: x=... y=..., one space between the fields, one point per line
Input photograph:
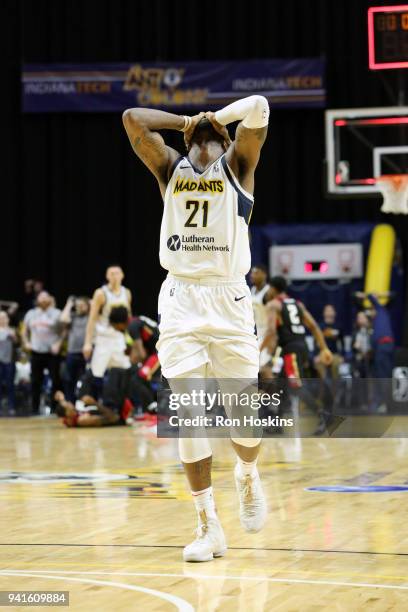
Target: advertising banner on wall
x=184 y=86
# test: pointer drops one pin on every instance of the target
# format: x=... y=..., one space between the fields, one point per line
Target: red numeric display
x=388 y=37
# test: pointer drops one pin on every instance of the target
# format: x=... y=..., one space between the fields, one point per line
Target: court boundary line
x=181 y=604
x=175 y=546
x=42 y=574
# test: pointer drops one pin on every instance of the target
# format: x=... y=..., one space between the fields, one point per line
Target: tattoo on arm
x=258 y=133
x=137 y=142
x=151 y=149
x=248 y=145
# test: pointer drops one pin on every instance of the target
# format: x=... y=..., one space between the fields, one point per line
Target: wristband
x=187 y=123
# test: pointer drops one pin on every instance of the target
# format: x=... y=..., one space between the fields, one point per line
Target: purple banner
x=171 y=85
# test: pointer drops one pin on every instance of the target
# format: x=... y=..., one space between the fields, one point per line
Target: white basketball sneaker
x=252 y=503
x=209 y=543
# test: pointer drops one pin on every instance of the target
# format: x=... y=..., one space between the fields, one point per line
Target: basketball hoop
x=394 y=188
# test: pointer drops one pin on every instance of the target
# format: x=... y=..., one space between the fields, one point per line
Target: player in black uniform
x=145 y=334
x=141 y=337
x=287 y=322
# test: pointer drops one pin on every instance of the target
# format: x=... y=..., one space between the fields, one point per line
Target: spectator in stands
x=383 y=347
x=334 y=340
x=32 y=288
x=7 y=341
x=75 y=318
x=42 y=336
x=28 y=298
x=11 y=308
x=361 y=344
x=382 y=340
x=22 y=380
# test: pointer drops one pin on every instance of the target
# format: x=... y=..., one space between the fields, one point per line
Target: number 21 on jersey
x=195 y=206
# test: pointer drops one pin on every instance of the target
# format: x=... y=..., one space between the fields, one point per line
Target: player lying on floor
x=88 y=412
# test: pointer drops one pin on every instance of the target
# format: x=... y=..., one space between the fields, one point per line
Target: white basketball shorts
x=109 y=351
x=207 y=321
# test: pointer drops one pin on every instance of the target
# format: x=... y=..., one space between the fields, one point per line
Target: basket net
x=394 y=188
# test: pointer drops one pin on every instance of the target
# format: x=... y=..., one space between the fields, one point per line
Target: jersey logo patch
x=237 y=299
x=174 y=242
x=213 y=186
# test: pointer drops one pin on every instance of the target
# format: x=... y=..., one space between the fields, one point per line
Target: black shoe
x=328 y=423
x=322 y=427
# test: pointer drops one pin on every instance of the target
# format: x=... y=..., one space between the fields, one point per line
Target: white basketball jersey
x=113 y=300
x=259 y=309
x=204 y=230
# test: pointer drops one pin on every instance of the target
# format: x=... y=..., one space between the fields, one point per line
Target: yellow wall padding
x=379 y=262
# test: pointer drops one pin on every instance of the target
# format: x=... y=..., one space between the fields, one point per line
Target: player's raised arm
x=253 y=114
x=142 y=125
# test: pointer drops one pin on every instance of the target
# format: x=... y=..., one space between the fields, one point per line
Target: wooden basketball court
x=104 y=514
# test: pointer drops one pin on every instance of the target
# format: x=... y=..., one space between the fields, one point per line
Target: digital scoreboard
x=339 y=261
x=388 y=37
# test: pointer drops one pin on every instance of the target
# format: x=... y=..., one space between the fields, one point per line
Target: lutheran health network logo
x=194 y=243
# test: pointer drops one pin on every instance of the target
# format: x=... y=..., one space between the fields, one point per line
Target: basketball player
x=145 y=334
x=88 y=412
x=109 y=343
x=287 y=322
x=207 y=319
x=259 y=290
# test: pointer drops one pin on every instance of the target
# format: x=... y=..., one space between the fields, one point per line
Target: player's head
x=114 y=275
x=329 y=313
x=205 y=134
x=278 y=285
x=259 y=274
x=44 y=300
x=38 y=286
x=81 y=305
x=119 y=318
x=362 y=319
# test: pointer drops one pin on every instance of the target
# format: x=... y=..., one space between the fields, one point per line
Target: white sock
x=204 y=500
x=247 y=468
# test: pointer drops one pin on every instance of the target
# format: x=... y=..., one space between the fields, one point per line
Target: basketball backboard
x=363 y=144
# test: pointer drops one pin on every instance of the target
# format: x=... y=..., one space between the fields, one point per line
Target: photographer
x=75 y=318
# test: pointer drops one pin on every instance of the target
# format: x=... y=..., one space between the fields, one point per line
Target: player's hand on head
x=189 y=132
x=221 y=129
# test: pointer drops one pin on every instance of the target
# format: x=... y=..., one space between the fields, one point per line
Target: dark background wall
x=75 y=199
